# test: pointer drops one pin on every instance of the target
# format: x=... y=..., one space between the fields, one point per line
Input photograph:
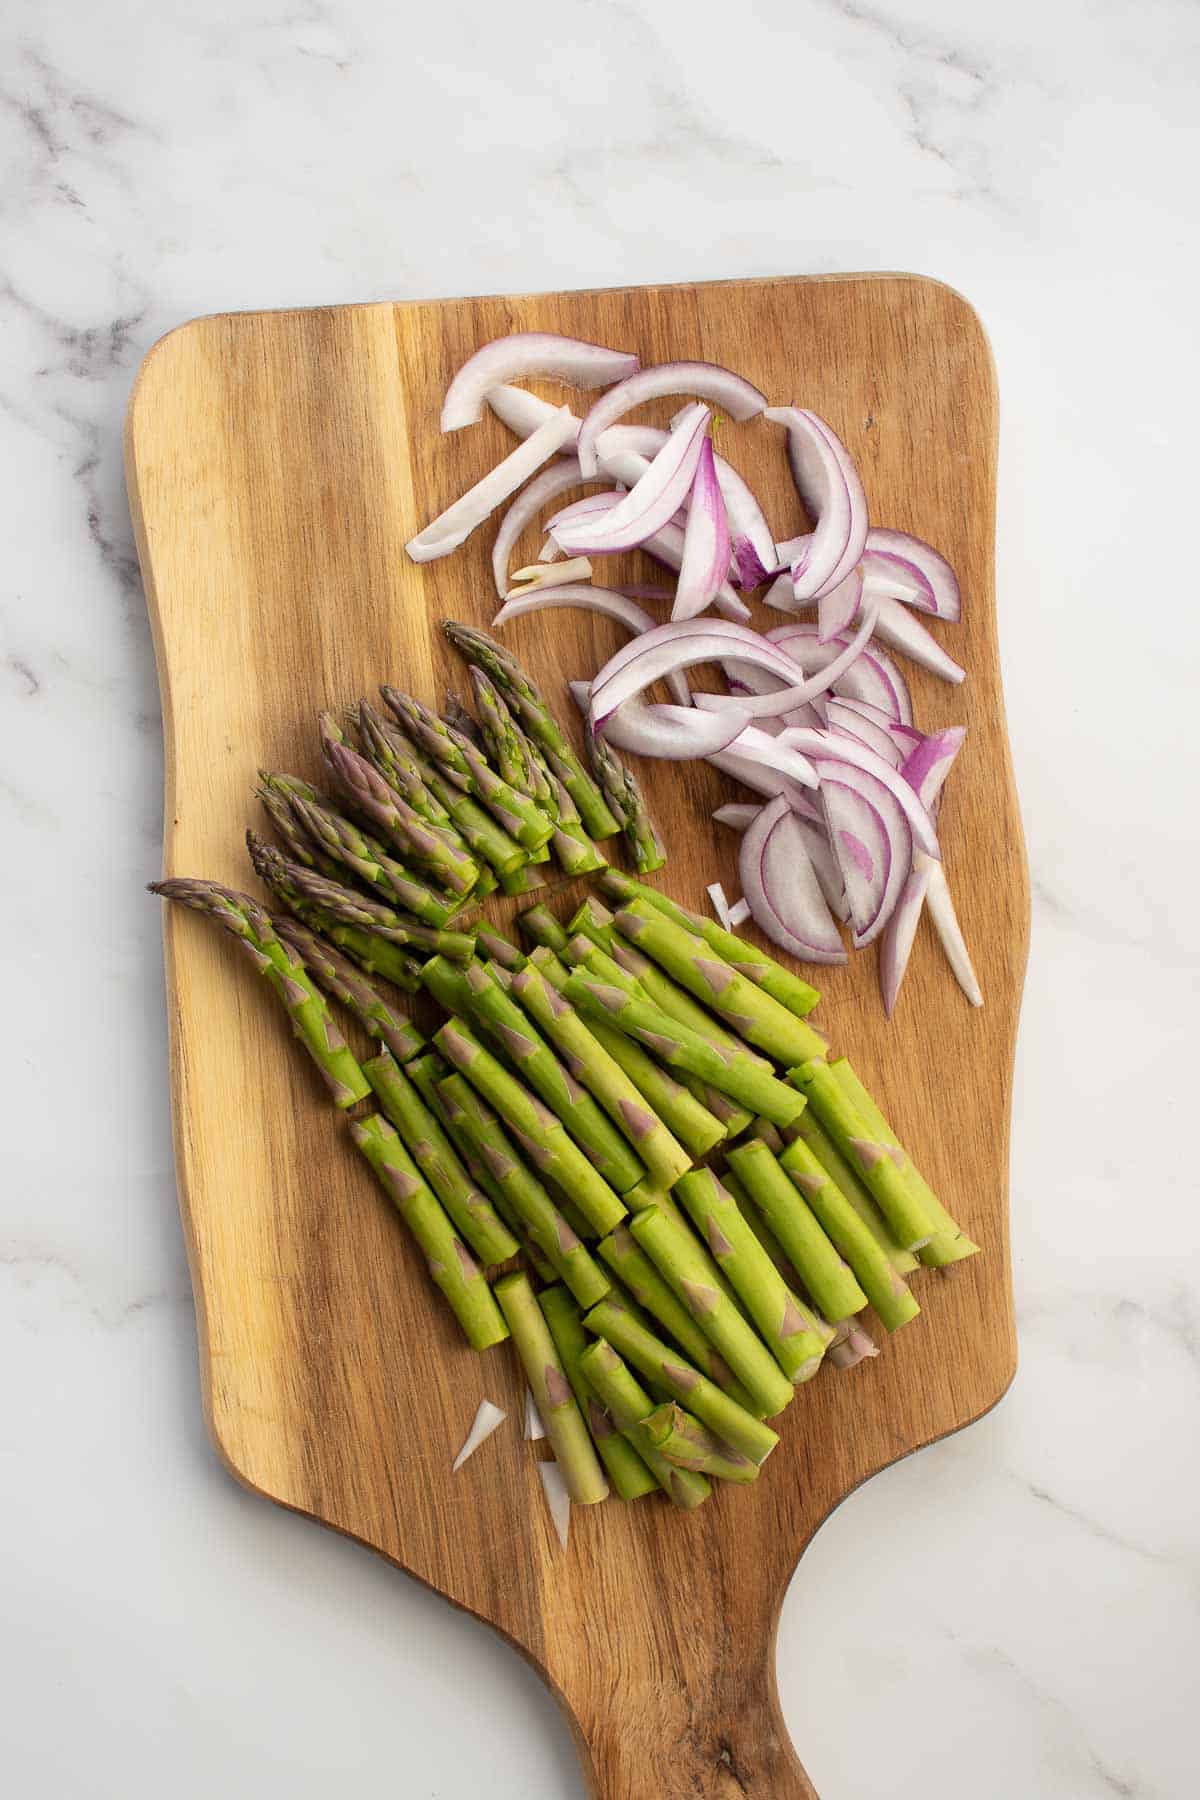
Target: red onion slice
x=782 y=890
x=738 y=818
x=609 y=601
x=522 y=411
x=927 y=768
x=655 y=499
x=455 y=525
x=673 y=733
x=833 y=497
x=898 y=936
x=934 y=575
x=731 y=393
x=824 y=862
x=872 y=842
x=666 y=547
x=589 y=509
x=826 y=744
x=765 y=706
x=720 y=905
x=837 y=609
x=844 y=719
x=754 y=749
x=525 y=354
x=945 y=919
x=874 y=677
x=680 y=645
x=897 y=627
x=529 y=502
x=705 y=561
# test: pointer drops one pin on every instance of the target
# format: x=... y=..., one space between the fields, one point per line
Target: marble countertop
x=1012 y=1613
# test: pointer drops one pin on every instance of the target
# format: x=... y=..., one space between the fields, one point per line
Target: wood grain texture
x=277 y=463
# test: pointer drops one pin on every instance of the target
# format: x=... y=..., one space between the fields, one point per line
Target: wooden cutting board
x=277 y=463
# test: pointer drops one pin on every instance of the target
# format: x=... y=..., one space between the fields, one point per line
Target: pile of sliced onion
x=814 y=717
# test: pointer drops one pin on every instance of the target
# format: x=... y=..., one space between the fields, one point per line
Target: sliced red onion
x=833 y=497
x=874 y=676
x=455 y=525
x=781 y=595
x=655 y=499
x=840 y=717
x=550 y=552
x=681 y=645
x=785 y=700
x=926 y=569
x=825 y=863
x=730 y=393
x=609 y=601
x=558 y=1499
x=872 y=842
x=826 y=744
x=737 y=817
x=720 y=905
x=525 y=354
x=705 y=561
x=739 y=912
x=525 y=508
x=927 y=768
x=676 y=733
x=897 y=627
x=898 y=936
x=589 y=508
x=522 y=411
x=782 y=890
x=837 y=609
x=486 y=1421
x=945 y=919
x=755 y=750
x=666 y=547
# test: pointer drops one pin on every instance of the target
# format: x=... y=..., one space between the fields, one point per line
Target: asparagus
x=628 y=1403
x=809 y=1127
x=642 y=1280
x=339 y=977
x=497 y=948
x=753 y=1014
x=500 y=737
x=592 y=1065
x=525 y=880
x=735 y=1072
x=393 y=755
x=541 y=783
x=349 y=908
x=433 y=846
x=669 y=1372
x=465 y=766
x=451 y=1264
x=689 y=1269
x=950 y=1243
x=815 y=1321
x=573 y=849
x=547 y=1225
x=883 y=1167
x=879 y=1281
x=276 y=803
x=852 y=1344
x=684 y=1441
x=488 y=841
x=456 y=715
x=373 y=954
x=832 y=1284
x=767 y=1134
x=624 y=795
x=628 y=1473
x=280 y=963
x=469 y=1209
x=541 y=927
x=538 y=1065
x=345 y=846
x=560 y=1414
x=529 y=706
x=747 y=958
x=756 y=1281
x=535 y=1127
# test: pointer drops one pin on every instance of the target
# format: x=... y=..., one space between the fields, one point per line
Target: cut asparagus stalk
x=628 y=1404
x=627 y=802
x=387 y=748
x=639 y=1276
x=540 y=926
x=550 y=1230
x=852 y=1345
x=451 y=1264
x=346 y=907
x=432 y=846
x=525 y=880
x=343 y=846
x=565 y=1426
x=832 y=1284
x=491 y=846
x=628 y=1473
x=882 y=1166
x=274 y=794
x=280 y=964
x=809 y=1127
x=495 y=947
x=373 y=954
x=467 y=769
x=499 y=734
x=684 y=1441
x=764 y=1293
x=573 y=849
x=879 y=1281
x=337 y=975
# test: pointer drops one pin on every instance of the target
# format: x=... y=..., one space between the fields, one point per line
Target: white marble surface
x=1010 y=1615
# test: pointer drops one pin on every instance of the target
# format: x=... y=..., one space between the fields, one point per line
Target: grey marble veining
x=1011 y=1615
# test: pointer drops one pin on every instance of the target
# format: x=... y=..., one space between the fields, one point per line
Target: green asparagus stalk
x=756 y=1220
x=767 y=1134
x=746 y=1009
x=747 y=958
x=638 y=1275
x=669 y=1372
x=547 y=1225
x=541 y=1136
x=349 y=908
x=488 y=841
x=337 y=975
x=343 y=846
x=500 y=738
x=459 y=719
x=468 y=1209
x=465 y=766
x=396 y=759
x=628 y=1473
x=832 y=1284
x=432 y=846
x=525 y=880
x=374 y=955
x=497 y=948
x=687 y=1267
x=879 y=1281
x=541 y=783
x=882 y=1166
x=280 y=964
x=560 y=1414
x=628 y=1404
x=451 y=1264
x=540 y=926
x=684 y=1441
x=573 y=849
x=762 y=1290
x=530 y=708
x=809 y=1127
x=624 y=796
x=738 y=1073
x=950 y=1243
x=276 y=803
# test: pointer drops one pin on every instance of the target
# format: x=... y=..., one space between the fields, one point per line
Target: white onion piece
x=897 y=627
x=945 y=919
x=898 y=936
x=706 y=551
x=455 y=525
x=833 y=497
x=927 y=768
x=609 y=601
x=874 y=676
x=486 y=1421
x=924 y=568
x=824 y=743
x=676 y=733
x=590 y=507
x=530 y=353
x=739 y=912
x=720 y=905
x=681 y=645
x=654 y=500
x=731 y=393
x=535 y=1431
x=575 y=568
x=737 y=817
x=765 y=706
x=528 y=504
x=837 y=609
x=782 y=890
x=558 y=1499
x=846 y=721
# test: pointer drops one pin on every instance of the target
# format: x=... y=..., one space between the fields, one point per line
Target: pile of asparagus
x=702 y=1201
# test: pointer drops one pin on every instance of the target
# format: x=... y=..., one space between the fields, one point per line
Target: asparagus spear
x=342 y=845
x=339 y=977
x=624 y=795
x=884 y=1288
x=668 y=1371
x=627 y=1472
x=560 y=1414
x=276 y=803
x=541 y=1136
x=545 y=1222
x=628 y=1403
x=882 y=1166
x=432 y=846
x=373 y=954
x=459 y=719
x=530 y=707
x=642 y=1280
x=280 y=963
x=451 y=1264
x=573 y=849
x=496 y=948
x=674 y=1433
x=682 y=1260
x=541 y=927
x=950 y=1243
x=488 y=841
x=753 y=1014
x=778 y=1255
x=809 y=1127
x=349 y=908
x=500 y=736
x=738 y=1073
x=525 y=880
x=541 y=785
x=742 y=955
x=392 y=755
x=465 y=766
x=832 y=1284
